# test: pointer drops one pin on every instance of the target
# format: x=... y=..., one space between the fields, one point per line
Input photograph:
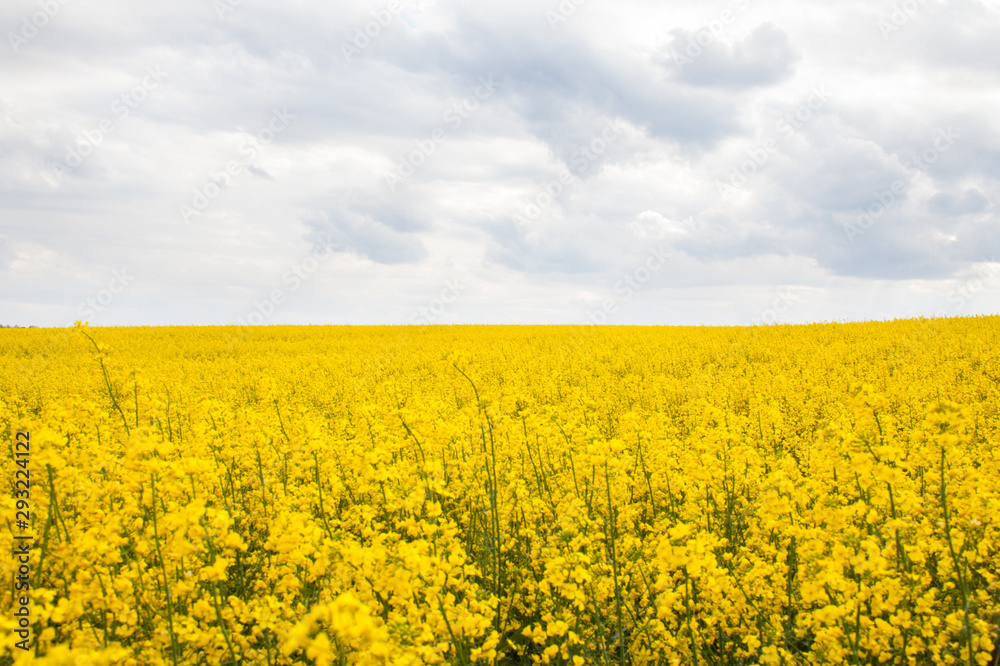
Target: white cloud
x=744 y=163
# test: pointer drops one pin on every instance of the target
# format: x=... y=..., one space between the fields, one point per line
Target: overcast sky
x=422 y=161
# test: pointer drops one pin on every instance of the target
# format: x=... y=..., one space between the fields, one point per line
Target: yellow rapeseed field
x=822 y=494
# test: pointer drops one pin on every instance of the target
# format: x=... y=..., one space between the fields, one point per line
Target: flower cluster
x=823 y=494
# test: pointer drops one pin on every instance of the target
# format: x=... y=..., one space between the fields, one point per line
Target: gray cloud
x=970 y=201
x=366 y=236
x=764 y=57
x=793 y=146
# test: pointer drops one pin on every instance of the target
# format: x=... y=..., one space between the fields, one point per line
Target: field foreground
x=818 y=494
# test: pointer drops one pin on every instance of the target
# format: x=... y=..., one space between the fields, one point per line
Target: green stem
x=959 y=564
x=611 y=529
x=166 y=580
x=107 y=383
